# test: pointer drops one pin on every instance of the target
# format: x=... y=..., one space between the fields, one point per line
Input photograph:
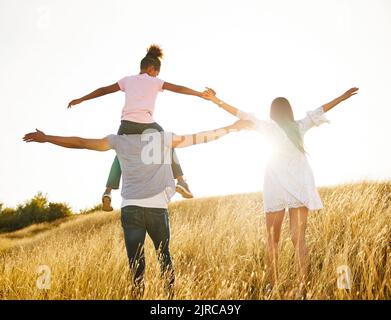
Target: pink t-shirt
x=140 y=95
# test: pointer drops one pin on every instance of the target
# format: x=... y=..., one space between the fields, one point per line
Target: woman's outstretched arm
x=210 y=94
x=95 y=94
x=346 y=95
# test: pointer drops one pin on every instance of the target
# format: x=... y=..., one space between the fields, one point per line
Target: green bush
x=36 y=210
x=95 y=208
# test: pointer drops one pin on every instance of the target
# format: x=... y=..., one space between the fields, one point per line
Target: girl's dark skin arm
x=182 y=90
x=151 y=71
x=95 y=94
x=115 y=87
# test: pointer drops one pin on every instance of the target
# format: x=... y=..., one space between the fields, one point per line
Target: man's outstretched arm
x=182 y=141
x=68 y=142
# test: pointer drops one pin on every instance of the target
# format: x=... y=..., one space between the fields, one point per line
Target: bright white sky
x=249 y=51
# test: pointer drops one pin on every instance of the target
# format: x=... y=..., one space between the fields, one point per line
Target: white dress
x=288 y=181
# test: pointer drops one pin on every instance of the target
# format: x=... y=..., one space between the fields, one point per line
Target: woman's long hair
x=281 y=112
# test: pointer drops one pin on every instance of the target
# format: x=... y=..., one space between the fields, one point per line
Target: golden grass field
x=218 y=248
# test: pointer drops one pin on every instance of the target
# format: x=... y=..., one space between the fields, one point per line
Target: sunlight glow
x=249 y=51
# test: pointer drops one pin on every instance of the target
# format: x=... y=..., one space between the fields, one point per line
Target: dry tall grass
x=218 y=247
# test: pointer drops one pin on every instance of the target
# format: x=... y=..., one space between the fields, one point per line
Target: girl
x=137 y=115
x=288 y=181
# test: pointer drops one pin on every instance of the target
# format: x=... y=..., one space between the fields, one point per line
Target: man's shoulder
x=146 y=135
x=163 y=138
x=157 y=134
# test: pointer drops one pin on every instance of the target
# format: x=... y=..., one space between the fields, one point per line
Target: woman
x=137 y=115
x=288 y=180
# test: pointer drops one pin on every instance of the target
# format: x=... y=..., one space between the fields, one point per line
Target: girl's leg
x=182 y=187
x=112 y=183
x=176 y=167
x=273 y=227
x=298 y=225
x=114 y=176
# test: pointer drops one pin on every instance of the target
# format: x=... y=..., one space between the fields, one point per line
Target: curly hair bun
x=154 y=51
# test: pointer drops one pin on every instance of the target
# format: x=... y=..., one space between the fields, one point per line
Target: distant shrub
x=97 y=207
x=36 y=210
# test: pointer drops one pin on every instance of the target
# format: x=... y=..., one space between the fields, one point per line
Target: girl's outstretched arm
x=95 y=94
x=182 y=90
x=346 y=95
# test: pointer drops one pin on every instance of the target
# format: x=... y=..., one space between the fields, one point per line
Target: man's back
x=145 y=163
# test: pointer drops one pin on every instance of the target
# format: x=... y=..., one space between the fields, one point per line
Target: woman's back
x=282 y=148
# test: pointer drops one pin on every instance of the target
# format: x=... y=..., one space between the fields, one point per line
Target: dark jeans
x=136 y=222
x=129 y=127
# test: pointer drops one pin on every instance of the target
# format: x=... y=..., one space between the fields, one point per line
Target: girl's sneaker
x=183 y=188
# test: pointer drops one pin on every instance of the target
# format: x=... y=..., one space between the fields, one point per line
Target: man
x=147 y=186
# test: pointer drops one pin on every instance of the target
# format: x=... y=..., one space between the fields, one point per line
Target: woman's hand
x=74 y=102
x=336 y=101
x=349 y=93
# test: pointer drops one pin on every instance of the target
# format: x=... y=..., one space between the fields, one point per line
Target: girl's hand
x=209 y=94
x=349 y=93
x=74 y=102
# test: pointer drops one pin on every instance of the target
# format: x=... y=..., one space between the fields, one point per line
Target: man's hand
x=74 y=102
x=37 y=136
x=68 y=142
x=349 y=93
x=242 y=124
x=210 y=95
